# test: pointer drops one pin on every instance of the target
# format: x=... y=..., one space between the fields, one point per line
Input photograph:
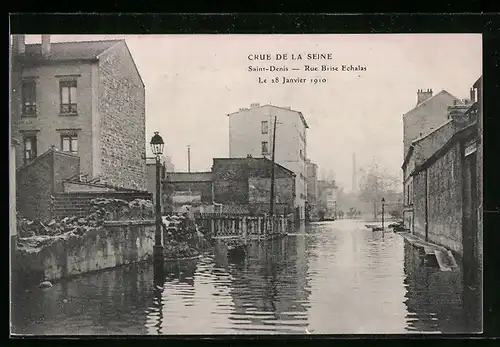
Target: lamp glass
x=157 y=144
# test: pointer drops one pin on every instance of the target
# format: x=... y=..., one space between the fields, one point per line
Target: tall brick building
x=86 y=98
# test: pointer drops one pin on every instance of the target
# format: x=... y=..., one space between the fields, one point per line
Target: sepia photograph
x=255 y=184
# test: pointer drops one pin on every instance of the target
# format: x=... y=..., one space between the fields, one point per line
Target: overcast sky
x=194 y=81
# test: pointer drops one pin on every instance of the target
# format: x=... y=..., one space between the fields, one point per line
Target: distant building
x=85 y=98
x=251 y=133
x=327 y=198
x=244 y=184
x=187 y=188
x=312 y=190
x=235 y=185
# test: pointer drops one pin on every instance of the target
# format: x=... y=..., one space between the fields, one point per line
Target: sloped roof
x=426 y=101
x=81 y=50
x=282 y=108
x=477 y=84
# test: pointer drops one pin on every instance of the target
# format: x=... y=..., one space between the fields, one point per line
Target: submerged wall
x=118 y=243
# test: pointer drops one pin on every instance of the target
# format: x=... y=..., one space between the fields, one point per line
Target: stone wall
x=419 y=203
x=122 y=113
x=118 y=243
x=445 y=201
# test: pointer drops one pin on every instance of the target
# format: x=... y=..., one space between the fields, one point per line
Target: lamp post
x=383 y=205
x=157 y=149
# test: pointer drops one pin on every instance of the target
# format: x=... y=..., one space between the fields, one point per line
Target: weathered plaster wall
x=71 y=254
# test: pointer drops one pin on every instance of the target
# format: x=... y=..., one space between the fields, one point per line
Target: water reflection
x=270 y=290
x=435 y=299
x=332 y=277
x=108 y=302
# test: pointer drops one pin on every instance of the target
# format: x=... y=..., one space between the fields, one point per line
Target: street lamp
x=157 y=149
x=383 y=204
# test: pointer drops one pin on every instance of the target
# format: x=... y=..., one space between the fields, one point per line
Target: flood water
x=330 y=278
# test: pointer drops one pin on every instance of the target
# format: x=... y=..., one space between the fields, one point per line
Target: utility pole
x=271 y=207
x=189 y=158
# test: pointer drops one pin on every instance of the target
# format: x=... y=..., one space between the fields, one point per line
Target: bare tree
x=375 y=184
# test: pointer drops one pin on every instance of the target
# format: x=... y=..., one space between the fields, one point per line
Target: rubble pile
x=181 y=237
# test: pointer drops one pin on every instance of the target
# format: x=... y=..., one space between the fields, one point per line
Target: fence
x=244 y=226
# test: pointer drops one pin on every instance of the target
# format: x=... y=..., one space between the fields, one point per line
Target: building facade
x=312 y=191
x=442 y=184
x=235 y=185
x=85 y=98
x=425 y=120
x=327 y=199
x=245 y=183
x=429 y=113
x=251 y=133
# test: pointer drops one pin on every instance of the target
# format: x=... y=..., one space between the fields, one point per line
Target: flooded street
x=329 y=278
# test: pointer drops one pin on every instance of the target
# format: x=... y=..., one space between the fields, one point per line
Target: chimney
x=472 y=95
x=458 y=112
x=45 y=44
x=423 y=95
x=18 y=44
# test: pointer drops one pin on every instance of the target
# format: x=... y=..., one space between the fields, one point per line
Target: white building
x=251 y=133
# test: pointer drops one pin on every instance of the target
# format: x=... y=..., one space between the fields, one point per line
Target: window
x=265 y=148
x=265 y=127
x=29 y=97
x=68 y=96
x=69 y=143
x=29 y=148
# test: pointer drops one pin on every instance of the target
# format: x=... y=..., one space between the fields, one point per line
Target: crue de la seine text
x=295 y=63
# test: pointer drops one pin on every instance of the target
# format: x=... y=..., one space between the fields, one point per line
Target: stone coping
x=444 y=257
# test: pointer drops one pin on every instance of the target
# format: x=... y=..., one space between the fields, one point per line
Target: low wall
x=42 y=258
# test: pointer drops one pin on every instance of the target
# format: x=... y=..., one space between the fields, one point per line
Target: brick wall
x=79 y=203
x=122 y=112
x=37 y=181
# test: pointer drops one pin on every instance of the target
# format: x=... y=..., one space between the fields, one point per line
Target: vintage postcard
x=246 y=184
